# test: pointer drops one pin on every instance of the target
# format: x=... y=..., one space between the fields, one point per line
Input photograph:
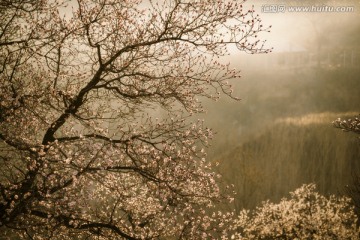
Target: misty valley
x=179 y=119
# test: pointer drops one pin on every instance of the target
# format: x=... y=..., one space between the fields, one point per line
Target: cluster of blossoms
x=306 y=215
x=349 y=125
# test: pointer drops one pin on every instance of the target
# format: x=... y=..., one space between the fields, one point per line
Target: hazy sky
x=296 y=23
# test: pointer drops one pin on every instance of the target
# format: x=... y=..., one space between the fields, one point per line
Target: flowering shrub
x=305 y=215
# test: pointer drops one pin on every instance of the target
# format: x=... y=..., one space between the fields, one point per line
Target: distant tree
x=81 y=154
x=306 y=215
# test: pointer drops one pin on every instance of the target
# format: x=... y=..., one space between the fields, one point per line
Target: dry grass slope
x=293 y=151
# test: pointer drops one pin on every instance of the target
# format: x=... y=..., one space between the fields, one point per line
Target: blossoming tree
x=306 y=215
x=81 y=152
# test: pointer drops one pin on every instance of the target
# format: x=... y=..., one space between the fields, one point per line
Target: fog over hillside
x=280 y=135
